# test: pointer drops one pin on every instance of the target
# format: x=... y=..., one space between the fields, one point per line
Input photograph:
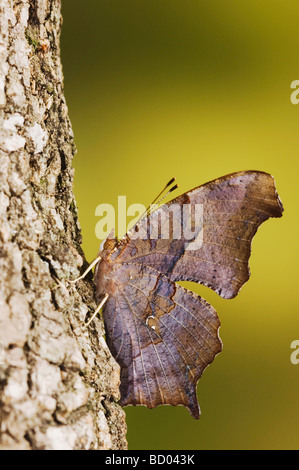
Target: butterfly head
x=108 y=245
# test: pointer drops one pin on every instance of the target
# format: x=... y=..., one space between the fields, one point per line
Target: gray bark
x=58 y=381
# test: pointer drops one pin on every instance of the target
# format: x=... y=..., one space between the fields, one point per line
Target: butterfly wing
x=233 y=207
x=162 y=335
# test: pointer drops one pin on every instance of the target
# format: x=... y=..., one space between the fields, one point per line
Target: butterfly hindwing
x=163 y=337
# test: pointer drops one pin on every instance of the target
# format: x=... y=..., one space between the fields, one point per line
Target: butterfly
x=162 y=335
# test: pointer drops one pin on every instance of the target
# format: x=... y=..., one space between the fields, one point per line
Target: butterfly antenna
x=154 y=205
x=161 y=192
x=148 y=209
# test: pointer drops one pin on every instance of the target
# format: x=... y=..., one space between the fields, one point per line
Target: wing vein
x=140 y=348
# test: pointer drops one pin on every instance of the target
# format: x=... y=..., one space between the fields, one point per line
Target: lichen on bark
x=58 y=382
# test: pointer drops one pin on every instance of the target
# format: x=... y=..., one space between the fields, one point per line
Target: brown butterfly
x=162 y=335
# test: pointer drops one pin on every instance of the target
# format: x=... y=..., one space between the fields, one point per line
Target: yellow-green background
x=198 y=89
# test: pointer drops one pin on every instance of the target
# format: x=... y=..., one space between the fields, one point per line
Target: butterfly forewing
x=233 y=207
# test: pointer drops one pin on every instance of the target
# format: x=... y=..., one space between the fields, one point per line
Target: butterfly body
x=162 y=335
x=105 y=270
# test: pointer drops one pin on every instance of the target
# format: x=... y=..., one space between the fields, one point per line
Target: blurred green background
x=196 y=90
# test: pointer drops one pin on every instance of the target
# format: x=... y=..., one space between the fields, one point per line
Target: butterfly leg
x=59 y=284
x=96 y=310
x=87 y=270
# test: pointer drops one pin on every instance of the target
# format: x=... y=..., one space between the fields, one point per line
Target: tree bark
x=58 y=382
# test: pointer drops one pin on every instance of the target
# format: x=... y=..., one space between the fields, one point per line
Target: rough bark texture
x=58 y=382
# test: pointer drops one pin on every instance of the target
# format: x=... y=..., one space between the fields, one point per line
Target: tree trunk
x=58 y=381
